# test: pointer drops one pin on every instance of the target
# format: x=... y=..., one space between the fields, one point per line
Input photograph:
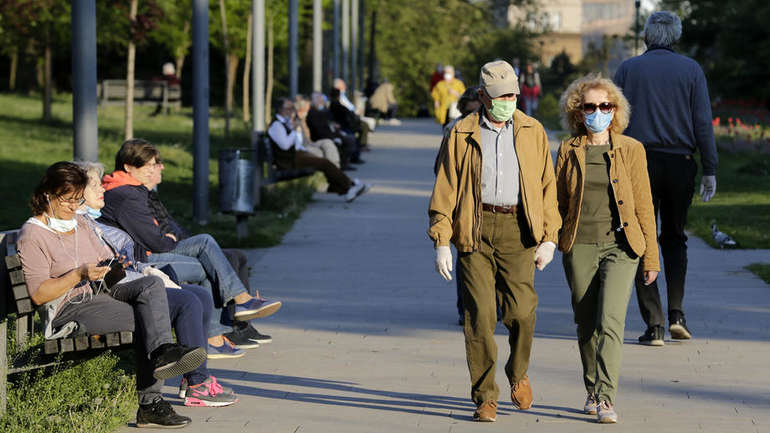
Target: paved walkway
x=367 y=340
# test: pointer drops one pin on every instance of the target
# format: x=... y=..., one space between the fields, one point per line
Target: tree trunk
x=228 y=81
x=247 y=72
x=47 y=78
x=180 y=52
x=14 y=67
x=129 y=115
x=269 y=85
x=232 y=69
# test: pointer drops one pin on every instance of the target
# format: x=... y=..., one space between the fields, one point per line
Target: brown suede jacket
x=455 y=206
x=631 y=190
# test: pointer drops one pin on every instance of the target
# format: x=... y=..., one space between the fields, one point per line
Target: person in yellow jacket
x=495 y=200
x=445 y=94
x=609 y=226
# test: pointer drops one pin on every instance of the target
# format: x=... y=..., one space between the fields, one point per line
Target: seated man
x=348 y=120
x=321 y=147
x=290 y=153
x=319 y=122
x=127 y=206
x=365 y=124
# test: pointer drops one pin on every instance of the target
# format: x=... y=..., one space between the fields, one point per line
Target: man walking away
x=671 y=116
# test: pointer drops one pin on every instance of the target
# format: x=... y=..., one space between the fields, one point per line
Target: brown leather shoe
x=486 y=412
x=521 y=394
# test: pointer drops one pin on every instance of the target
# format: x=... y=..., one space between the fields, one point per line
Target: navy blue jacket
x=670 y=105
x=127 y=207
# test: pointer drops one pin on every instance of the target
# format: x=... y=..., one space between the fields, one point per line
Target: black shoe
x=652 y=337
x=254 y=335
x=677 y=326
x=171 y=360
x=159 y=414
x=240 y=339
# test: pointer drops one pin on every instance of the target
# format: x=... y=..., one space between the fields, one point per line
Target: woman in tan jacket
x=608 y=227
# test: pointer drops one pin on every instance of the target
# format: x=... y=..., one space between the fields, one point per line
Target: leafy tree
x=731 y=41
x=174 y=31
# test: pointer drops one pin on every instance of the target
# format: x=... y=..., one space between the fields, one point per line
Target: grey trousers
x=140 y=306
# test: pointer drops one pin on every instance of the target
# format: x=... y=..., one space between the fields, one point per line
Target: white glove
x=544 y=254
x=149 y=270
x=708 y=187
x=444 y=262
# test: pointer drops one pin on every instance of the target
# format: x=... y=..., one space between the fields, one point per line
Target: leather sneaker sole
x=679 y=332
x=190 y=361
x=655 y=343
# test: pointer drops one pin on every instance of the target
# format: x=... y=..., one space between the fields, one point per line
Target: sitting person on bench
x=189 y=309
x=323 y=147
x=320 y=125
x=127 y=206
x=290 y=153
x=63 y=264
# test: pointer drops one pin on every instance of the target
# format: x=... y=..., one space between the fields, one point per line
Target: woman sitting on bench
x=74 y=277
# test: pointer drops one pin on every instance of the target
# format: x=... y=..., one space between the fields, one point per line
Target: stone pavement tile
x=367 y=339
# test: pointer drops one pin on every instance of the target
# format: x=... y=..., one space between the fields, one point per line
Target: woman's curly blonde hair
x=571 y=104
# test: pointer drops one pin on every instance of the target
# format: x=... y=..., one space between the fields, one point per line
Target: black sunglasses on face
x=605 y=107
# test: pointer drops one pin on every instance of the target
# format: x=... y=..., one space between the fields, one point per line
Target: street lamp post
x=637 y=3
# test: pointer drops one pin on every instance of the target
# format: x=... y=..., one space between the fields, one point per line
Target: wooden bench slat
x=97 y=342
x=12 y=262
x=17 y=277
x=51 y=347
x=24 y=306
x=66 y=345
x=126 y=337
x=112 y=339
x=20 y=292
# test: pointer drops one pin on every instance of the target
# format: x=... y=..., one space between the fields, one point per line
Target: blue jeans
x=220 y=276
x=190 y=310
x=187 y=269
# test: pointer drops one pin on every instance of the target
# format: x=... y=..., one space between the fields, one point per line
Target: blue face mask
x=93 y=213
x=597 y=121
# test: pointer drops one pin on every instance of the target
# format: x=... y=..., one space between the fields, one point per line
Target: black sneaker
x=652 y=337
x=172 y=359
x=159 y=414
x=240 y=338
x=254 y=335
x=677 y=326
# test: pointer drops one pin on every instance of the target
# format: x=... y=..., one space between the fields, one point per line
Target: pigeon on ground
x=722 y=239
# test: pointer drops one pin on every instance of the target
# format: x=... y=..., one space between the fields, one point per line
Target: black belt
x=498 y=209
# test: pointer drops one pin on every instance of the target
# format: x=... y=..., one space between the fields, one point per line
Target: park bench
x=113 y=92
x=16 y=306
x=272 y=173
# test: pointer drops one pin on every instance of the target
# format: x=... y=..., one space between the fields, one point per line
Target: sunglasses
x=604 y=107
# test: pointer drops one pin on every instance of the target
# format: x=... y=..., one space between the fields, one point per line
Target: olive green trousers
x=600 y=277
x=501 y=273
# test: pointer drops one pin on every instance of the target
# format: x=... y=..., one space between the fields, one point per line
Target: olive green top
x=598 y=216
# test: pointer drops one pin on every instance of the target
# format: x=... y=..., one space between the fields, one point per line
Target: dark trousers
x=338 y=182
x=672 y=178
x=141 y=306
x=500 y=273
x=190 y=310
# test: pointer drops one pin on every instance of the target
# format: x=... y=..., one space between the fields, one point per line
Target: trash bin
x=237 y=192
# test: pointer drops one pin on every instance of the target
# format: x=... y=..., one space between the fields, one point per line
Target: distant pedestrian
x=530 y=89
x=671 y=116
x=445 y=95
x=437 y=76
x=495 y=199
x=608 y=225
x=383 y=102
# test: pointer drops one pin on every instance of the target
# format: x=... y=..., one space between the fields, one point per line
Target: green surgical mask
x=502 y=110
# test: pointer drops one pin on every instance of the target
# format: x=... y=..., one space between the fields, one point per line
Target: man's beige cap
x=498 y=78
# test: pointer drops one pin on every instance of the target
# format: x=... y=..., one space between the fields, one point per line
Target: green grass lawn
x=761 y=269
x=741 y=206
x=98 y=395
x=28 y=146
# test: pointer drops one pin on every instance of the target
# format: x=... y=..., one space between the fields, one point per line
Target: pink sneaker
x=210 y=394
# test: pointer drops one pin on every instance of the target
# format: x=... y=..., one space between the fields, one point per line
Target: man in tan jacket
x=495 y=200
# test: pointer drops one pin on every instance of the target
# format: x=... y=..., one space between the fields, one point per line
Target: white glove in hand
x=149 y=270
x=708 y=187
x=444 y=262
x=544 y=254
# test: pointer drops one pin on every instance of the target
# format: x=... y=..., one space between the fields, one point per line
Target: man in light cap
x=495 y=199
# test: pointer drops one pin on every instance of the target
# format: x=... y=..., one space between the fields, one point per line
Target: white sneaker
x=606 y=413
x=590 y=406
x=355 y=190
